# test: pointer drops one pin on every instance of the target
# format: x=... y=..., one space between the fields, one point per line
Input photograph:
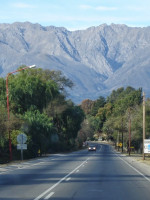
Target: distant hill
x=98 y=59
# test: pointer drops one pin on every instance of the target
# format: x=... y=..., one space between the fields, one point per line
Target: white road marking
x=77 y=171
x=134 y=169
x=56 y=184
x=27 y=163
x=68 y=179
x=61 y=155
x=48 y=196
x=2 y=171
x=82 y=165
x=100 y=148
x=18 y=167
x=35 y=164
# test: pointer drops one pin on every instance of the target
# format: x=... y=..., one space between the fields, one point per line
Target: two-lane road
x=100 y=175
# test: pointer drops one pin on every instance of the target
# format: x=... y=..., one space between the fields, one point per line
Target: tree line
x=109 y=118
x=39 y=108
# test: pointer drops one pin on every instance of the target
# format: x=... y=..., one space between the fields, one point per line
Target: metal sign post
x=21 y=139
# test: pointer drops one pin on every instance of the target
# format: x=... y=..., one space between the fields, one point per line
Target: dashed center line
x=61 y=180
x=50 y=195
x=68 y=179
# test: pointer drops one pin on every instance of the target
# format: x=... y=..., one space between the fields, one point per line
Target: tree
x=87 y=106
x=72 y=118
x=56 y=76
x=115 y=94
x=103 y=114
x=111 y=118
x=85 y=133
x=2 y=92
x=38 y=107
x=3 y=129
x=40 y=130
x=26 y=91
x=99 y=103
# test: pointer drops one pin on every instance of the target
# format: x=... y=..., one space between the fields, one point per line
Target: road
x=100 y=175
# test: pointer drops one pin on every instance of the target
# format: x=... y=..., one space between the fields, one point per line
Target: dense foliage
x=38 y=108
x=109 y=119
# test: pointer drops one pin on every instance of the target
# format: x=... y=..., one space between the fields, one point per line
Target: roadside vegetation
x=109 y=119
x=38 y=108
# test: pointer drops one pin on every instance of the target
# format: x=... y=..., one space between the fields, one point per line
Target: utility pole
x=118 y=140
x=143 y=123
x=122 y=134
x=129 y=131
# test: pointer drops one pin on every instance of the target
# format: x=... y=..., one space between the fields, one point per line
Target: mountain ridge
x=97 y=59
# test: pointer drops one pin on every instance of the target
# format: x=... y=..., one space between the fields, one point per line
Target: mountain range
x=98 y=59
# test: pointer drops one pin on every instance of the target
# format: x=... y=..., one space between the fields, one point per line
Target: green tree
x=40 y=131
x=72 y=118
x=114 y=95
x=85 y=133
x=99 y=103
x=26 y=91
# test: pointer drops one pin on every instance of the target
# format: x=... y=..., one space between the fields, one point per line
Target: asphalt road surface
x=81 y=175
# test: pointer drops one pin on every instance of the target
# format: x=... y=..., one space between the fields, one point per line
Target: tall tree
x=40 y=130
x=100 y=102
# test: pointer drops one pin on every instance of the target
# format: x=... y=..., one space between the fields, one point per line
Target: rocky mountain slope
x=98 y=59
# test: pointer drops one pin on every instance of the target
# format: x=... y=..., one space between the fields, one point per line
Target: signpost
x=21 y=139
x=22 y=146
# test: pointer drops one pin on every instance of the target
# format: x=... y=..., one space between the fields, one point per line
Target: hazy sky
x=76 y=14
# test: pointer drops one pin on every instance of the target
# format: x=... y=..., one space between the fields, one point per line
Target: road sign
x=21 y=138
x=21 y=146
x=119 y=144
x=147 y=146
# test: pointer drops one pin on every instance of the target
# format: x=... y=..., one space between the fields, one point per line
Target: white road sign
x=147 y=146
x=21 y=138
x=21 y=146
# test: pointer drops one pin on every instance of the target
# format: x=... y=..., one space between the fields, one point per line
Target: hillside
x=98 y=59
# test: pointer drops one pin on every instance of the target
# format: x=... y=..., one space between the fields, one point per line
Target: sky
x=76 y=14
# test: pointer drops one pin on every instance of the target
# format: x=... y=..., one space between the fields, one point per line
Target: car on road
x=91 y=148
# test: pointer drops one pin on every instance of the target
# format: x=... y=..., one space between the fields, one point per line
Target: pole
x=129 y=131
x=122 y=135
x=22 y=147
x=7 y=94
x=118 y=141
x=143 y=123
